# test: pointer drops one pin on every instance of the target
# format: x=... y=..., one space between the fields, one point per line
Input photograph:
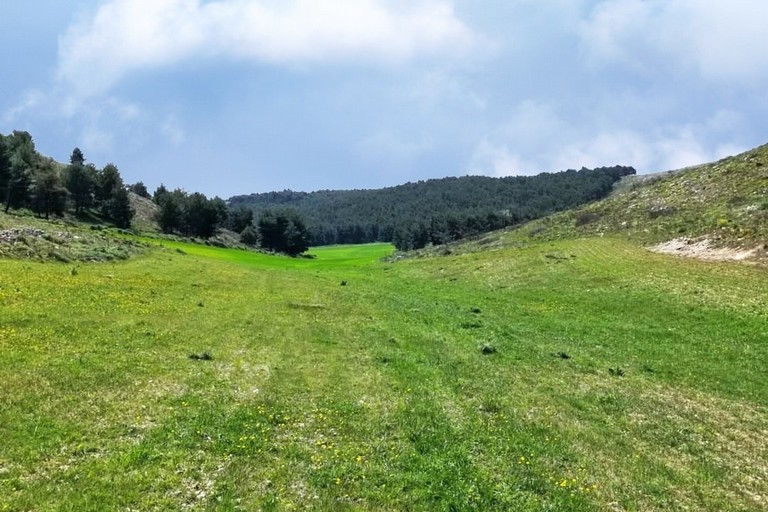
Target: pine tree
x=48 y=195
x=21 y=156
x=80 y=180
x=118 y=208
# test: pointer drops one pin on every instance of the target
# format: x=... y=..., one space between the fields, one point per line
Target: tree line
x=410 y=216
x=39 y=183
x=278 y=230
x=436 y=211
x=29 y=180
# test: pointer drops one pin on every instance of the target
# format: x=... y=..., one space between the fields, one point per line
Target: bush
x=249 y=236
x=661 y=211
x=583 y=218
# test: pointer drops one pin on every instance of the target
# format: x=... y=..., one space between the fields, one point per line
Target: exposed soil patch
x=705 y=249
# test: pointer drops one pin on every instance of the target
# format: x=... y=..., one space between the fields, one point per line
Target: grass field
x=621 y=380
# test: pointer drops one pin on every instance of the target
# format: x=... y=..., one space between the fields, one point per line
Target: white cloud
x=173 y=130
x=535 y=138
x=533 y=122
x=721 y=41
x=685 y=149
x=437 y=87
x=615 y=32
x=95 y=139
x=530 y=125
x=496 y=159
x=618 y=147
x=385 y=145
x=673 y=148
x=125 y=36
x=31 y=100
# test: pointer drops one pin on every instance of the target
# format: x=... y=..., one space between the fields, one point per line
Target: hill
x=436 y=211
x=726 y=201
x=701 y=209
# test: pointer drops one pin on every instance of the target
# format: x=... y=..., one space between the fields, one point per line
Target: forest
x=435 y=211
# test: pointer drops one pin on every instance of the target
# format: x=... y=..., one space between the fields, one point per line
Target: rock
x=488 y=349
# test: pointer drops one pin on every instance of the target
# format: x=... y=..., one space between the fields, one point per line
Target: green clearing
x=375 y=395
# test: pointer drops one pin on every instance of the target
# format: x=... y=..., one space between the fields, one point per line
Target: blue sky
x=237 y=96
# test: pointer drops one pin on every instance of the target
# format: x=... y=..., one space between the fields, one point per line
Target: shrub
x=583 y=218
x=661 y=211
x=249 y=236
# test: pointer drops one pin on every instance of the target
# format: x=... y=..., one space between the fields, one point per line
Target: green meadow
x=583 y=375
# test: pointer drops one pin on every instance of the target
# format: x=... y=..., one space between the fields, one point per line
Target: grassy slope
x=726 y=201
x=27 y=237
x=374 y=395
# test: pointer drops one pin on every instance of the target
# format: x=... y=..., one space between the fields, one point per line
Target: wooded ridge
x=437 y=210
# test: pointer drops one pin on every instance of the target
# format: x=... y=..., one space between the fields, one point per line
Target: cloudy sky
x=238 y=96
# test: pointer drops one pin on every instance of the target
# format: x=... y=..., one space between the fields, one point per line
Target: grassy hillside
x=67 y=240
x=726 y=201
x=586 y=375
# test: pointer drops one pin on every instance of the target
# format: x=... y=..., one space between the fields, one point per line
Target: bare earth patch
x=704 y=249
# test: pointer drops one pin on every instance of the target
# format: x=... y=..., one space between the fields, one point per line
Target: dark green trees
x=30 y=180
x=160 y=193
x=20 y=157
x=436 y=211
x=249 y=236
x=47 y=195
x=170 y=216
x=104 y=189
x=140 y=189
x=239 y=219
x=106 y=182
x=27 y=179
x=190 y=214
x=201 y=215
x=77 y=157
x=283 y=231
x=112 y=196
x=118 y=208
x=5 y=167
x=80 y=180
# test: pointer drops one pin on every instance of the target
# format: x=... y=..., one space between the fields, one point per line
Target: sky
x=230 y=97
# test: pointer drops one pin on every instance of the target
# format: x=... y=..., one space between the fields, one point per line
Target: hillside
x=436 y=211
x=723 y=204
x=726 y=201
x=145 y=216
